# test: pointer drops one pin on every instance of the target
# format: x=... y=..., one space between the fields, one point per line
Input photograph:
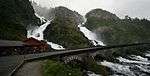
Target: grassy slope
x=53 y=68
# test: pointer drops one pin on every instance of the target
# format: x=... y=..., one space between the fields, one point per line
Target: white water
x=139 y=58
x=143 y=68
x=37 y=33
x=90 y=35
x=148 y=55
x=41 y=18
x=92 y=74
x=56 y=46
x=141 y=63
x=135 y=65
x=132 y=61
x=123 y=69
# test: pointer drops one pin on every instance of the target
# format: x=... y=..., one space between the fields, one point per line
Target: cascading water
x=92 y=37
x=92 y=74
x=118 y=68
x=56 y=46
x=126 y=66
x=134 y=66
x=41 y=18
x=89 y=34
x=130 y=66
x=37 y=33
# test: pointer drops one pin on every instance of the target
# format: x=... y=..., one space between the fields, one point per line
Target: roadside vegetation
x=56 y=68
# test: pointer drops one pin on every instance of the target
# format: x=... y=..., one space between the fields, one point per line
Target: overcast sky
x=133 y=8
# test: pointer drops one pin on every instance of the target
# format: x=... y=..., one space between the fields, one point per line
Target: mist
x=132 y=8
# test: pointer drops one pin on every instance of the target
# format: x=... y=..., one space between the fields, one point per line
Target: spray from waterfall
x=37 y=33
x=89 y=34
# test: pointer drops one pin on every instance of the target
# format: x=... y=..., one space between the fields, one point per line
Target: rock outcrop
x=101 y=14
x=64 y=29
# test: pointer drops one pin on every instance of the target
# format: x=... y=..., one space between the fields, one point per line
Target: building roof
x=7 y=43
x=33 y=42
x=27 y=42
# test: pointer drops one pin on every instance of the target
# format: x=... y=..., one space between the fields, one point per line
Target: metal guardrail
x=8 y=65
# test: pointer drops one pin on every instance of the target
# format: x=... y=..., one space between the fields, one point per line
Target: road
x=30 y=69
x=8 y=65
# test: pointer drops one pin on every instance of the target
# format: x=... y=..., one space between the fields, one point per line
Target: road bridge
x=10 y=64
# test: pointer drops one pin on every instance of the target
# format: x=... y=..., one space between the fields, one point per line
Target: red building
x=35 y=44
x=28 y=46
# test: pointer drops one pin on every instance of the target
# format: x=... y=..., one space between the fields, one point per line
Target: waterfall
x=132 y=65
x=89 y=34
x=37 y=33
x=56 y=46
x=89 y=73
x=41 y=18
x=118 y=68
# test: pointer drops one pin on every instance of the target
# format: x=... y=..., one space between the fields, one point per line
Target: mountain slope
x=64 y=29
x=15 y=17
x=114 y=31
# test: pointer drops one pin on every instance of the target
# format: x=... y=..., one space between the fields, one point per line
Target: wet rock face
x=15 y=16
